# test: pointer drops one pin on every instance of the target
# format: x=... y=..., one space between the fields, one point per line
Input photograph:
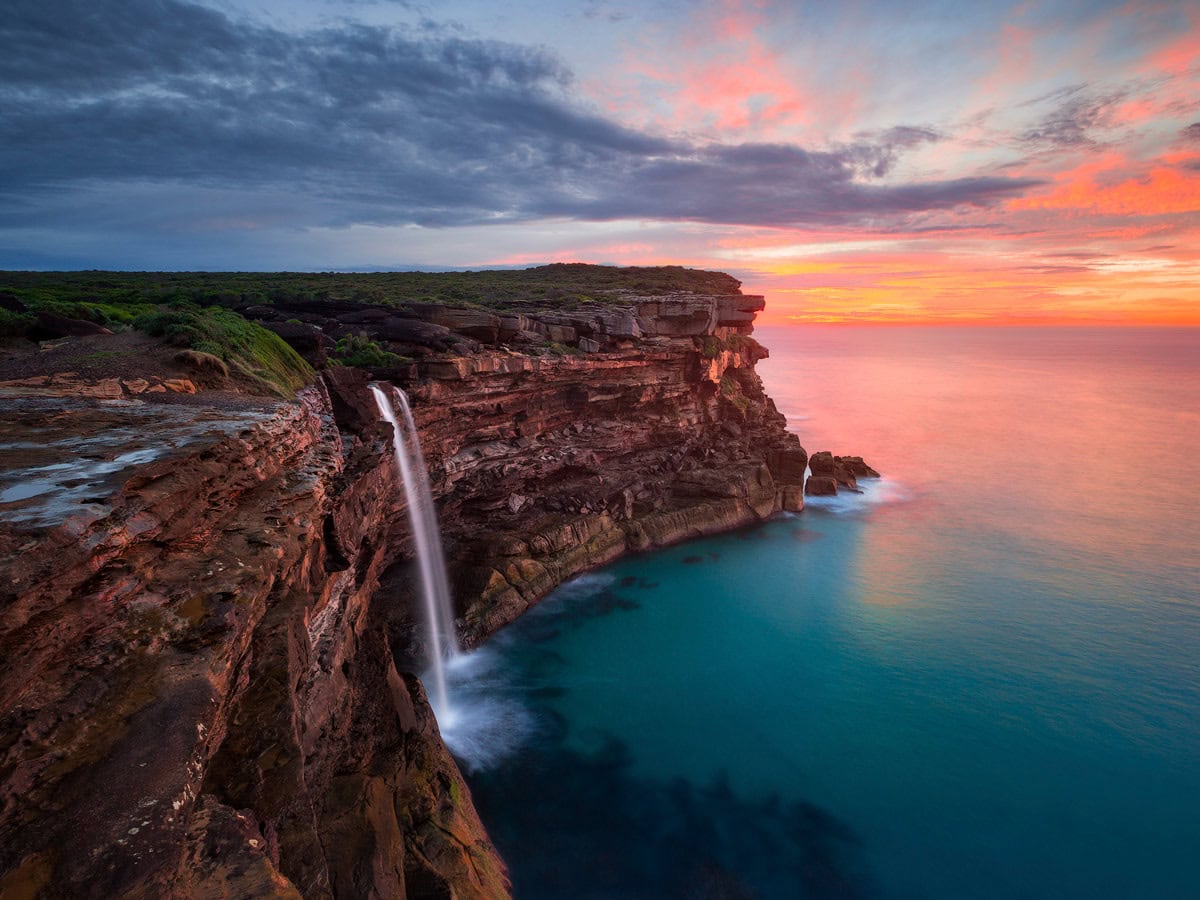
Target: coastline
x=216 y=633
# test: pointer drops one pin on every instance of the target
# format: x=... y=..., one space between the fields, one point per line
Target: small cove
x=970 y=682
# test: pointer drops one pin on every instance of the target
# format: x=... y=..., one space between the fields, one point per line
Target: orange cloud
x=1114 y=185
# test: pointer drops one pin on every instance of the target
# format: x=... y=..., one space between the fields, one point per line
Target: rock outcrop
x=551 y=465
x=829 y=471
x=199 y=697
x=208 y=688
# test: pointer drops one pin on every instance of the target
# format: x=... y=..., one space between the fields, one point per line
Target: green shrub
x=14 y=324
x=560 y=350
x=731 y=390
x=360 y=351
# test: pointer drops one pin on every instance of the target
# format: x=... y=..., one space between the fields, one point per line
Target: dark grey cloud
x=358 y=124
x=1191 y=134
x=1079 y=110
x=876 y=152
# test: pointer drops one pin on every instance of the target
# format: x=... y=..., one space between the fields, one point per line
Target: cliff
x=207 y=688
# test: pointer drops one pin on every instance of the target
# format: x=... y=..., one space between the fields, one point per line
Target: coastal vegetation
x=118 y=296
x=245 y=346
x=359 y=350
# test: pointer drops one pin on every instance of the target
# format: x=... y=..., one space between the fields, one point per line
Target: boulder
x=50 y=326
x=368 y=316
x=791 y=498
x=473 y=323
x=821 y=486
x=511 y=326
x=619 y=324
x=307 y=340
x=856 y=467
x=411 y=331
x=822 y=463
x=839 y=468
x=787 y=464
x=353 y=404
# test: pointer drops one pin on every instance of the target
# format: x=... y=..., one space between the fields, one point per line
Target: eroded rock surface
x=198 y=696
x=548 y=466
x=205 y=615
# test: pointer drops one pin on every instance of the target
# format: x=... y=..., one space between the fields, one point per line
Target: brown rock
x=201 y=706
x=857 y=467
x=308 y=340
x=50 y=326
x=821 y=486
x=787 y=464
x=791 y=498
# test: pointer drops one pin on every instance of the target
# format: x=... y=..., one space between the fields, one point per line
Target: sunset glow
x=1023 y=163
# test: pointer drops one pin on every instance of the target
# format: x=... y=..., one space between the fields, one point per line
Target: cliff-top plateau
x=207 y=618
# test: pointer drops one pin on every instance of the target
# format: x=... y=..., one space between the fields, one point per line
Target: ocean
x=978 y=679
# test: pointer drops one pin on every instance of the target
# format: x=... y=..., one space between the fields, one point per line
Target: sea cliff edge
x=207 y=625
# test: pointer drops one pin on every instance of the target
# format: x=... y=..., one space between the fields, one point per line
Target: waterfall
x=435 y=586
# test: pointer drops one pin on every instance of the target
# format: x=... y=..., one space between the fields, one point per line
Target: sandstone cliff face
x=551 y=465
x=198 y=694
x=207 y=686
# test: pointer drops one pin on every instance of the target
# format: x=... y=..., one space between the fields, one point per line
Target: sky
x=926 y=161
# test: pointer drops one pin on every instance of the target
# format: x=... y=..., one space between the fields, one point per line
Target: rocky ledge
x=208 y=687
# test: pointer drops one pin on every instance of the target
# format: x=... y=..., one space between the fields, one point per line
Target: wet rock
x=844 y=469
x=352 y=402
x=792 y=498
x=821 y=486
x=856 y=466
x=787 y=464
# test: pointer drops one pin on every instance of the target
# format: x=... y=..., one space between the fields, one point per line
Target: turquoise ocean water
x=981 y=678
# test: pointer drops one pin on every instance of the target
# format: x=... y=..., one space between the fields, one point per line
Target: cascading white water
x=804 y=480
x=435 y=586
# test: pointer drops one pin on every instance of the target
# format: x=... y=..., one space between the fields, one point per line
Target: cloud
x=875 y=153
x=1079 y=112
x=122 y=104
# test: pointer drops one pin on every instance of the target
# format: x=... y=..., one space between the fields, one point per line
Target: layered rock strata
x=551 y=466
x=207 y=687
x=198 y=696
x=653 y=429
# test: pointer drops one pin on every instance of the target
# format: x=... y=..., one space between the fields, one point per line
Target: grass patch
x=554 y=348
x=246 y=347
x=711 y=346
x=360 y=351
x=731 y=390
x=14 y=324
